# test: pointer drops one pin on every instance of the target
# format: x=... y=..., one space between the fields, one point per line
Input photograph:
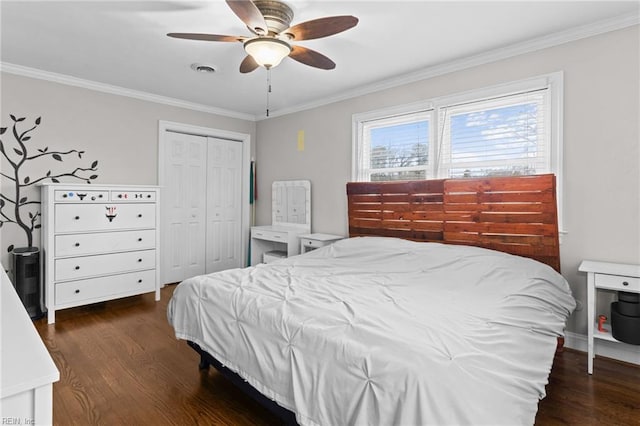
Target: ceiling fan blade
x=250 y=15
x=248 y=64
x=322 y=27
x=311 y=58
x=206 y=37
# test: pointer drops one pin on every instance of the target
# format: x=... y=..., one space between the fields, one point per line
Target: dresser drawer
x=269 y=235
x=81 y=196
x=77 y=292
x=617 y=282
x=103 y=217
x=84 y=244
x=121 y=195
x=88 y=266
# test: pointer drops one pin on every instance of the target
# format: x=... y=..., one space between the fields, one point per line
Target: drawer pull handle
x=139 y=260
x=625 y=282
x=140 y=215
x=139 y=239
x=77 y=291
x=77 y=244
x=140 y=280
x=77 y=218
x=77 y=267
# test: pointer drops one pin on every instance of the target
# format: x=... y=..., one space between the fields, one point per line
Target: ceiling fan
x=272 y=37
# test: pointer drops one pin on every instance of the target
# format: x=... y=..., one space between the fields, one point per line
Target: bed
x=411 y=321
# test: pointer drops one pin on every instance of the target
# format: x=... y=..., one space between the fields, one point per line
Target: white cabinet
x=99 y=243
x=607 y=277
x=275 y=242
x=26 y=368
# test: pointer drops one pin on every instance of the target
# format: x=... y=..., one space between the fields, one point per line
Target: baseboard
x=620 y=351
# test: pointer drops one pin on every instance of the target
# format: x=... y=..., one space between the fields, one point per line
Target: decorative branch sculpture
x=12 y=209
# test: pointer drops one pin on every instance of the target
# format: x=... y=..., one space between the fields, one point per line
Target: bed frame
x=516 y=215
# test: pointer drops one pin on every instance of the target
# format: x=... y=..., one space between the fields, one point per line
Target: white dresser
x=99 y=243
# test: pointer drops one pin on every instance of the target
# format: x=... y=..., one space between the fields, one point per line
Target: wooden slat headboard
x=516 y=215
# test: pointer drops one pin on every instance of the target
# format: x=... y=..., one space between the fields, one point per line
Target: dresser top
x=68 y=185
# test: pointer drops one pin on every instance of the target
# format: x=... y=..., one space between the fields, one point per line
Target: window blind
x=507 y=135
x=396 y=148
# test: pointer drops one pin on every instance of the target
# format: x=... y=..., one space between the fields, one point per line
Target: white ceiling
x=124 y=44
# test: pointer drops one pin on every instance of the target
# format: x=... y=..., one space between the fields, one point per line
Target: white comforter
x=382 y=331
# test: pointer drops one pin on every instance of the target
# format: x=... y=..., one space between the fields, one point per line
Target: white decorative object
x=605 y=276
x=99 y=242
x=26 y=368
x=290 y=217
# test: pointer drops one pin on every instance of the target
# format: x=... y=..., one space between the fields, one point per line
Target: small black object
x=26 y=279
x=625 y=328
x=629 y=304
x=625 y=296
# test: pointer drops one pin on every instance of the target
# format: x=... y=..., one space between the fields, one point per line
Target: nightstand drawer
x=307 y=242
x=617 y=282
x=269 y=235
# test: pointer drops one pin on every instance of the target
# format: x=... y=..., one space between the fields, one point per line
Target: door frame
x=244 y=138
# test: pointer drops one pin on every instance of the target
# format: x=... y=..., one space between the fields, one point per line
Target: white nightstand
x=310 y=242
x=605 y=276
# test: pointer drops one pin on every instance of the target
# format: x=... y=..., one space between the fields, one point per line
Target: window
x=512 y=129
x=496 y=137
x=396 y=148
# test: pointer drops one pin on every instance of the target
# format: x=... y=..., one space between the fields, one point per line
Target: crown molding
x=551 y=40
x=533 y=45
x=117 y=90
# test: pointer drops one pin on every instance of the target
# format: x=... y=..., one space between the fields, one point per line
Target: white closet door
x=224 y=205
x=184 y=207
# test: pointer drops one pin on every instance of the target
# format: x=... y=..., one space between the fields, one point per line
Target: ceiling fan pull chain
x=268 y=88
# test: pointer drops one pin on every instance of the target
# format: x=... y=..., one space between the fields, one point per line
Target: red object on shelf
x=601 y=320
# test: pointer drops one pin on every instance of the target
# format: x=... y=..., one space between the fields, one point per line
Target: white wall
x=601 y=141
x=601 y=146
x=120 y=132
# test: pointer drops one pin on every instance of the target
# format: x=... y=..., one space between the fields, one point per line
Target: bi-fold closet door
x=201 y=205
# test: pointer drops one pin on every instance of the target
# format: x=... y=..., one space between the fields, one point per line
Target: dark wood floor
x=120 y=363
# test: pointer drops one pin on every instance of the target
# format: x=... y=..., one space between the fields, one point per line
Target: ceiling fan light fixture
x=267 y=51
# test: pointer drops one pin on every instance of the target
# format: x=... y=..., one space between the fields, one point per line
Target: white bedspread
x=383 y=331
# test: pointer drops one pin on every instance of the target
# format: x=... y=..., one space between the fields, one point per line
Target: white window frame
x=360 y=120
x=554 y=130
